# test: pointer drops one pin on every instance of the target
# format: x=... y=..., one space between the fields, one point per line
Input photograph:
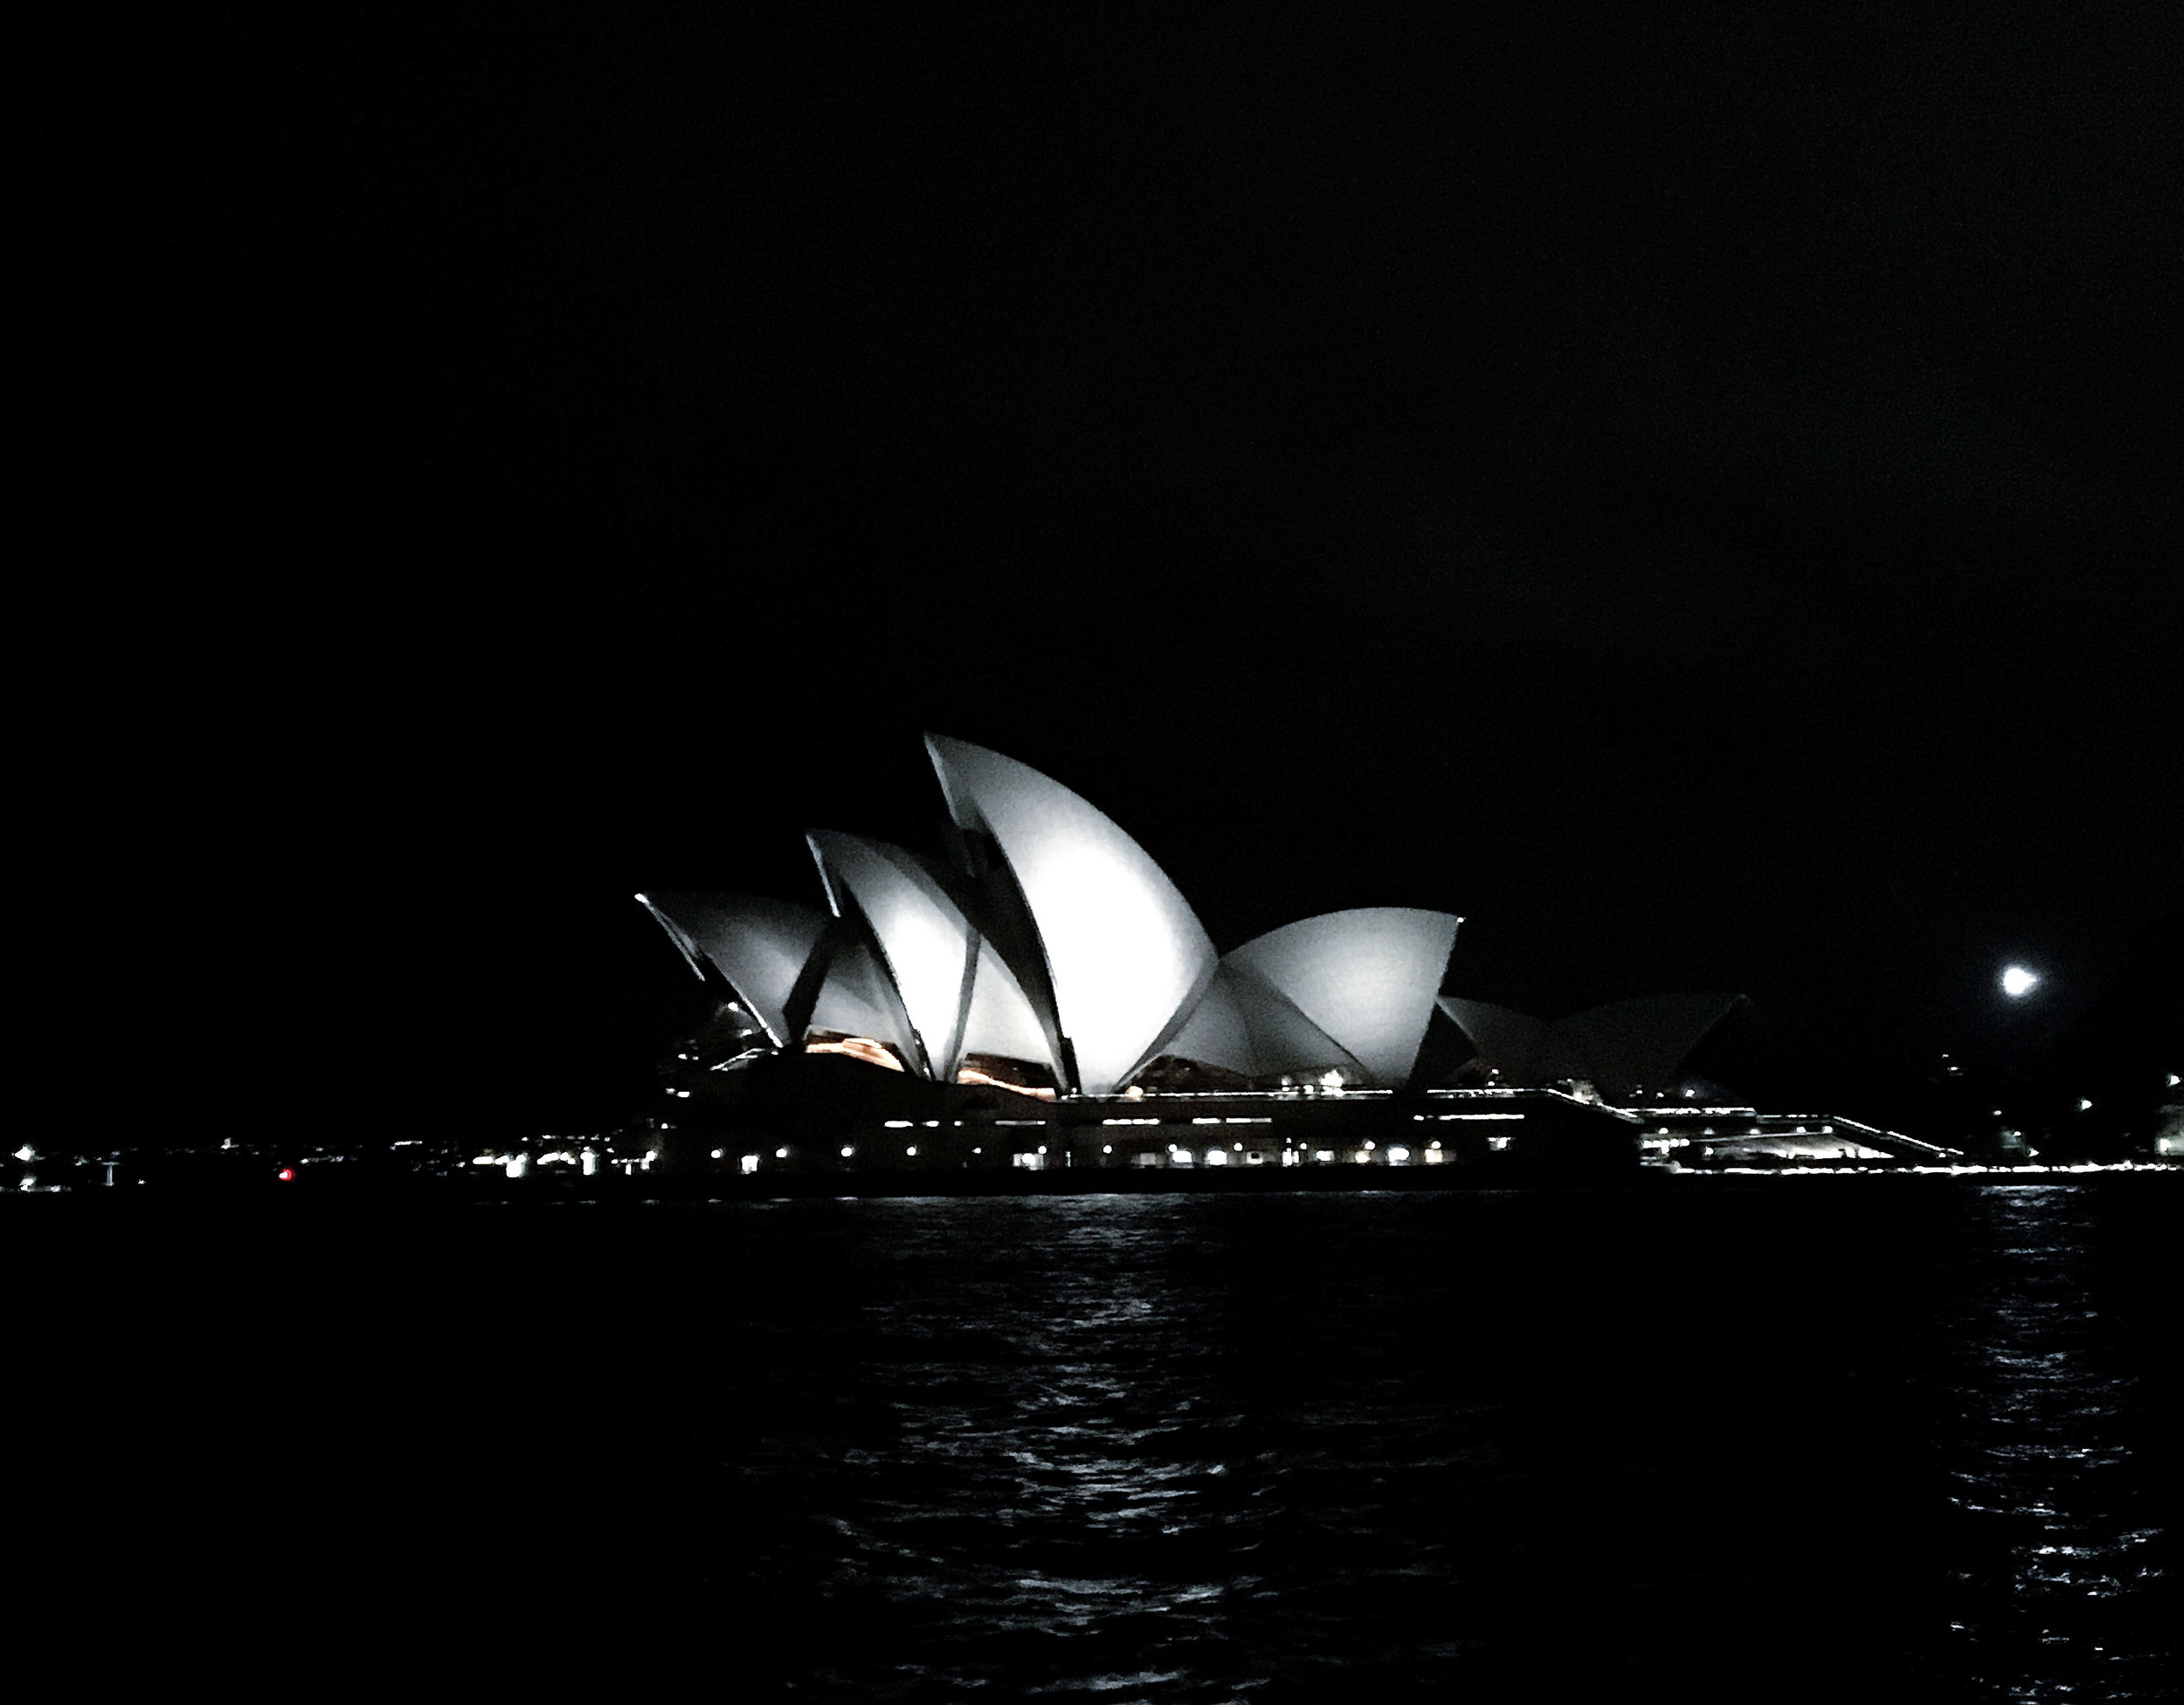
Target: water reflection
x=1179 y=1447
x=1104 y=1438
x=2058 y=1544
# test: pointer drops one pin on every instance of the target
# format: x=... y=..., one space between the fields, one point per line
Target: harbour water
x=1747 y=1441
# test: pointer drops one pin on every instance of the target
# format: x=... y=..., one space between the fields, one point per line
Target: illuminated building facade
x=1048 y=953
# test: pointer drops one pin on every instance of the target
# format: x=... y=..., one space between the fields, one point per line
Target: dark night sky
x=1693 y=492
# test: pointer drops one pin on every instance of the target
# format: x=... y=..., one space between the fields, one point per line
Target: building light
x=1370 y=1145
x=900 y=1124
x=2083 y=1105
x=750 y=1163
x=781 y=1154
x=1435 y=1145
x=1107 y=1148
x=1215 y=1158
x=720 y=1154
x=1240 y=1148
x=847 y=1151
x=911 y=1152
x=1393 y=1154
x=1324 y=1155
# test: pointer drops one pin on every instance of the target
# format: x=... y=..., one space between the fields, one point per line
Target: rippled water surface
x=1732 y=1442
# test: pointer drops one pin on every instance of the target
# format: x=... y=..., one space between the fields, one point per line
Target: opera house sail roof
x=1119 y=947
x=1051 y=947
x=1624 y=1049
x=1367 y=977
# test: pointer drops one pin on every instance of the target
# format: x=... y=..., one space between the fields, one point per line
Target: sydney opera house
x=1043 y=996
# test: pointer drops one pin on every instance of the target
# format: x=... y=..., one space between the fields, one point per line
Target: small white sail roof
x=759 y=946
x=1244 y=1024
x=1367 y=977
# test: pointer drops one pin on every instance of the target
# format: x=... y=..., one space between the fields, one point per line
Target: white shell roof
x=855 y=1000
x=1245 y=1025
x=1367 y=977
x=760 y=946
x=1124 y=950
x=1002 y=1020
x=924 y=941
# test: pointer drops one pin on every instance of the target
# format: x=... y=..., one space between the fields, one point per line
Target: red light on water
x=286 y=1175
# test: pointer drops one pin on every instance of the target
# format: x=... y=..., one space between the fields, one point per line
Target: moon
x=2017 y=982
